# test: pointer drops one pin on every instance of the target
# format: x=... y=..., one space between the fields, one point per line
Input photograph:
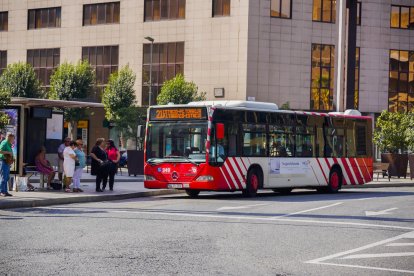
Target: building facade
x=282 y=51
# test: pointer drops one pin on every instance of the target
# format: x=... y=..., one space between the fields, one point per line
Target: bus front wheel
x=253 y=183
x=192 y=193
x=335 y=181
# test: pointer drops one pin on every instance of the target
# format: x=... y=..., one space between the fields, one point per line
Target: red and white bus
x=246 y=146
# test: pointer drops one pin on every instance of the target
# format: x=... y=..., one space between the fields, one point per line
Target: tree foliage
x=409 y=133
x=285 y=106
x=119 y=94
x=70 y=81
x=128 y=120
x=390 y=134
x=179 y=91
x=20 y=80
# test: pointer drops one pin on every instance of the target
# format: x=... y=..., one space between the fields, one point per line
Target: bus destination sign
x=194 y=113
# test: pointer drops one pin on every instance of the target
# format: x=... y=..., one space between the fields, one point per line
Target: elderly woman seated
x=43 y=166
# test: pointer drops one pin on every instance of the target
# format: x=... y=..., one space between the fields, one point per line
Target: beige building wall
x=215 y=48
x=279 y=53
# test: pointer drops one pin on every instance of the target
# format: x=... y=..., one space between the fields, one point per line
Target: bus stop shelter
x=27 y=115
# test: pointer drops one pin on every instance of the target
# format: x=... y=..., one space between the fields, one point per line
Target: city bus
x=246 y=146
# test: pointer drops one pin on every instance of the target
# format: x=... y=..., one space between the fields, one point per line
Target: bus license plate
x=175 y=186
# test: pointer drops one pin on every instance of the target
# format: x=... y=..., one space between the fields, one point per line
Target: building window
x=402 y=17
x=221 y=8
x=105 y=60
x=44 y=62
x=323 y=58
x=44 y=18
x=167 y=62
x=359 y=7
x=324 y=11
x=281 y=8
x=4 y=21
x=103 y=13
x=156 y=10
x=356 y=95
x=3 y=61
x=401 y=81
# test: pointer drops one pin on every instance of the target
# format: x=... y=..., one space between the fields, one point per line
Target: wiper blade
x=184 y=157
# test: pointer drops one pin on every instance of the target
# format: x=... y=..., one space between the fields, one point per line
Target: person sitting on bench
x=43 y=166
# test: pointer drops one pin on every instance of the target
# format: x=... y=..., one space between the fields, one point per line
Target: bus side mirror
x=140 y=131
x=219 y=131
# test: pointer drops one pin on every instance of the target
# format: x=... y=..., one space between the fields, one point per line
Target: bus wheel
x=253 y=182
x=335 y=181
x=283 y=191
x=192 y=193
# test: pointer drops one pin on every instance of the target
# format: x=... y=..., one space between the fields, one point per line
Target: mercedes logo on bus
x=174 y=175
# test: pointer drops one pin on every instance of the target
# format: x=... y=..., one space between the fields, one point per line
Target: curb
x=369 y=186
x=138 y=179
x=83 y=199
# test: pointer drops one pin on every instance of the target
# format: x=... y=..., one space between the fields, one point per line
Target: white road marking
x=240 y=207
x=378 y=213
x=309 y=210
x=270 y=219
x=341 y=254
x=380 y=255
x=370 y=267
x=401 y=244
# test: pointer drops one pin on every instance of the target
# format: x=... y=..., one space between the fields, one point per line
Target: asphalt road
x=355 y=232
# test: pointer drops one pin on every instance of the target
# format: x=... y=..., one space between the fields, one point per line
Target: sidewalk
x=127 y=187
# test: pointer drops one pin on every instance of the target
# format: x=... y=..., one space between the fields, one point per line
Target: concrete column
x=340 y=54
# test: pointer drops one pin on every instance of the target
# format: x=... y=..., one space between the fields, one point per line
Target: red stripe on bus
x=236 y=178
x=347 y=171
x=354 y=165
x=240 y=170
x=229 y=179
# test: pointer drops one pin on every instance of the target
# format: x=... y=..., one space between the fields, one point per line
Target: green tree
x=127 y=122
x=285 y=106
x=179 y=91
x=119 y=94
x=4 y=101
x=72 y=82
x=20 y=80
x=391 y=130
x=409 y=133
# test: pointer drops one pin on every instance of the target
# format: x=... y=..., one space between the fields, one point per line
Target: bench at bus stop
x=382 y=168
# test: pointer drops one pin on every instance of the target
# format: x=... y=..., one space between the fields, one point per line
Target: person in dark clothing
x=113 y=156
x=98 y=164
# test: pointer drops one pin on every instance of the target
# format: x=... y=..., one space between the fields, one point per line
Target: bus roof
x=269 y=107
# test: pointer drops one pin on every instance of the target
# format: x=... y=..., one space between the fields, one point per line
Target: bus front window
x=178 y=141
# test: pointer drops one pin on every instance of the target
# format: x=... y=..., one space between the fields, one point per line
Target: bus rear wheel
x=253 y=183
x=283 y=191
x=192 y=193
x=335 y=181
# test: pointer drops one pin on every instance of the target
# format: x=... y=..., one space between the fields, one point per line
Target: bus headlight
x=205 y=178
x=149 y=177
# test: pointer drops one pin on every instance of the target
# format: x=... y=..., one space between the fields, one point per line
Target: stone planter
x=398 y=163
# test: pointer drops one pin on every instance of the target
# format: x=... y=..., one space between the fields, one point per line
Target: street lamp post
x=150 y=76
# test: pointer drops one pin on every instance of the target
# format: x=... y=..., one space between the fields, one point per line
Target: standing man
x=61 y=148
x=6 y=159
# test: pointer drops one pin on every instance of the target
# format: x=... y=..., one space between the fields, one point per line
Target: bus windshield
x=176 y=142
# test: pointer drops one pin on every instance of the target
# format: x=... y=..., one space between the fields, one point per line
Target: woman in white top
x=69 y=158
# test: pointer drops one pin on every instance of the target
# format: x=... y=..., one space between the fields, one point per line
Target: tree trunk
x=72 y=130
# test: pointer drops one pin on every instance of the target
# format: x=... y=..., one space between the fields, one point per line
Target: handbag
x=77 y=163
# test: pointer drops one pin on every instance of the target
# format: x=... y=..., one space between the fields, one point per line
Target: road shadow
x=294 y=196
